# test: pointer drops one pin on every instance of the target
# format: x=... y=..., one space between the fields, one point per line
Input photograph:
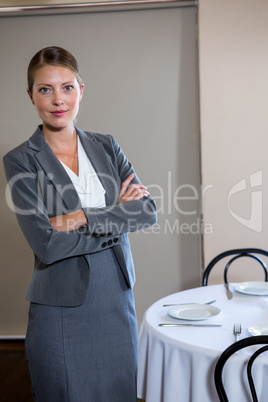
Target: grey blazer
x=41 y=188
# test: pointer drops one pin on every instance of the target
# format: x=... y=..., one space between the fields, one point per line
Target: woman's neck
x=64 y=145
x=61 y=141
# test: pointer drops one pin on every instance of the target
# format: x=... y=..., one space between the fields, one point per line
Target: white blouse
x=87 y=183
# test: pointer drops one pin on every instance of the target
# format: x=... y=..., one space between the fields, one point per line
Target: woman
x=76 y=196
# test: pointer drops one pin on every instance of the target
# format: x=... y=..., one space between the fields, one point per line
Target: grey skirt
x=86 y=353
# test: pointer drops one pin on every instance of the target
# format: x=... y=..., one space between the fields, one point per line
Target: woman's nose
x=57 y=98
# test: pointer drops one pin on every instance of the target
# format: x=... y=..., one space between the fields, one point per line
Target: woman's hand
x=68 y=222
x=130 y=192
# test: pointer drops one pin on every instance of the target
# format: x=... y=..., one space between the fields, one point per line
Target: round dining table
x=176 y=363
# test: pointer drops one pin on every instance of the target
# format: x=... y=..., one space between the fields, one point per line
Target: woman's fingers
x=134 y=192
x=130 y=192
x=125 y=184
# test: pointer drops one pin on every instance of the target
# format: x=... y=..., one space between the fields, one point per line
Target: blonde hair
x=53 y=56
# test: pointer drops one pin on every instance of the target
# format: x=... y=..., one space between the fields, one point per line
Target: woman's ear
x=81 y=91
x=30 y=95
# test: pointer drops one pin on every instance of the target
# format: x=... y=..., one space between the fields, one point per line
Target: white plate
x=253 y=288
x=194 y=312
x=259 y=329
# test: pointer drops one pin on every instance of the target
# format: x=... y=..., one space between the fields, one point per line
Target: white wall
x=139 y=69
x=233 y=66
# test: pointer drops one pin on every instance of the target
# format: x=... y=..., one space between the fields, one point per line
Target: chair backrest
x=243 y=343
x=236 y=253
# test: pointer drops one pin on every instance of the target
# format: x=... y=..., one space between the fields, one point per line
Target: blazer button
x=110 y=233
x=102 y=234
x=116 y=239
x=104 y=244
x=110 y=242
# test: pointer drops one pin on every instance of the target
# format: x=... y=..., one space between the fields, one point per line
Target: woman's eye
x=44 y=90
x=68 y=88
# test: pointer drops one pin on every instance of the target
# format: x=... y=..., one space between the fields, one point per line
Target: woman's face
x=56 y=95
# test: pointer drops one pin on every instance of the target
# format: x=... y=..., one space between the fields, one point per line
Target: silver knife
x=189 y=325
x=184 y=304
x=228 y=292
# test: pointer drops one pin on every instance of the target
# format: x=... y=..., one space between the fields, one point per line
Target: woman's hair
x=53 y=56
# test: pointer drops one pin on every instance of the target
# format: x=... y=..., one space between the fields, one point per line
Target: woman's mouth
x=59 y=113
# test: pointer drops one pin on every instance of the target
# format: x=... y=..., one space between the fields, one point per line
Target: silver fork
x=237 y=331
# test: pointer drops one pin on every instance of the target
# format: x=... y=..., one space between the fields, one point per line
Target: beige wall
x=233 y=46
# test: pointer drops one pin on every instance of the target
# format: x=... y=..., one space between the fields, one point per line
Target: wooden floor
x=15 y=385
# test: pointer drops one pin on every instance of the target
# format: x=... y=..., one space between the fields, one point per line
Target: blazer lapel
x=54 y=171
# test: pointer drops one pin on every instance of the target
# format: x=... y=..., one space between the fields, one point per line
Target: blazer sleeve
x=104 y=224
x=47 y=243
x=126 y=217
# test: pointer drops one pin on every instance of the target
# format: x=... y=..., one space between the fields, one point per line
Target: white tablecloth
x=177 y=363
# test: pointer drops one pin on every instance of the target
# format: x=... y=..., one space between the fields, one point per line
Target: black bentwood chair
x=243 y=343
x=237 y=253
